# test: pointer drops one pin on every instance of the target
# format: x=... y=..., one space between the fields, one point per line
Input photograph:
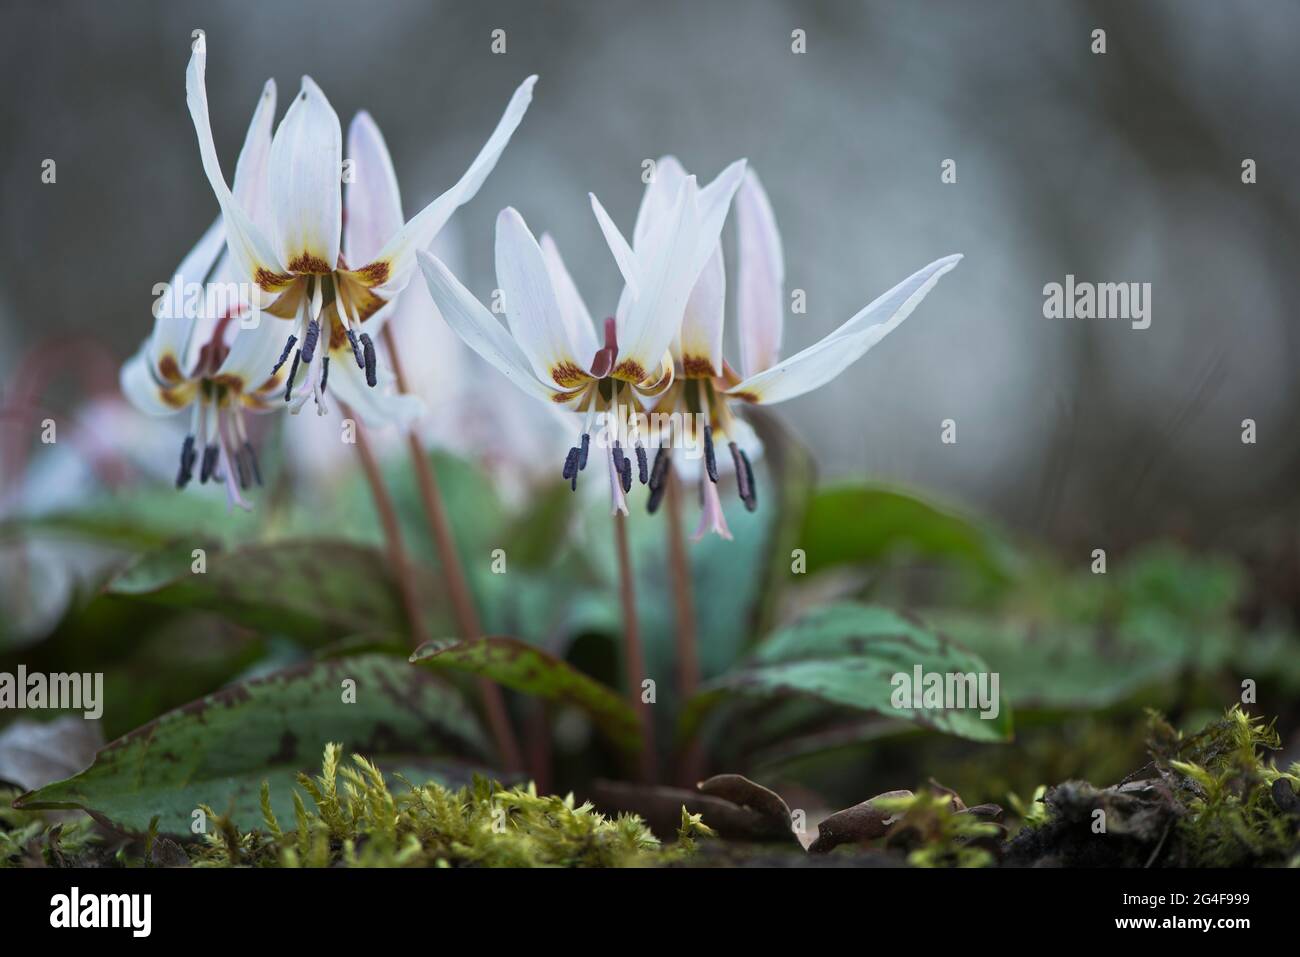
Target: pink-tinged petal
x=760 y=302
x=532 y=308
x=820 y=363
x=252 y=252
x=480 y=330
x=393 y=265
x=306 y=191
x=712 y=518
x=144 y=391
x=252 y=185
x=171 y=345
x=577 y=319
x=623 y=255
x=374 y=204
x=700 y=346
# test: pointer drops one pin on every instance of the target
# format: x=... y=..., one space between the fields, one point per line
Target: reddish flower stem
x=462 y=601
x=690 y=762
x=633 y=657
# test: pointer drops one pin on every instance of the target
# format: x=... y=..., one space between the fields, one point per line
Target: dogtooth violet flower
x=293 y=256
x=551 y=348
x=202 y=354
x=707 y=384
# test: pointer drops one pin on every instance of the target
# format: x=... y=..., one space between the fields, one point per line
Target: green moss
x=934 y=832
x=352 y=819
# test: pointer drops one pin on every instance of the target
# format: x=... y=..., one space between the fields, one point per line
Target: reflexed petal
x=818 y=364
x=479 y=328
x=146 y=393
x=374 y=204
x=582 y=332
x=760 y=302
x=623 y=255
x=252 y=185
x=393 y=264
x=252 y=252
x=379 y=406
x=174 y=323
x=306 y=197
x=252 y=355
x=532 y=308
x=701 y=336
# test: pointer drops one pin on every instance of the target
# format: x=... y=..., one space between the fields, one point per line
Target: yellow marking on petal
x=307 y=263
x=697 y=367
x=271 y=281
x=289 y=303
x=567 y=375
x=361 y=300
x=177 y=397
x=170 y=369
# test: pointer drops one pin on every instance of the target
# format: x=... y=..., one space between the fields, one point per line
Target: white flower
x=706 y=382
x=202 y=355
x=552 y=349
x=332 y=287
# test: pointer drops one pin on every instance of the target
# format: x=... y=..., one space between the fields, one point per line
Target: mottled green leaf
x=851 y=524
x=317 y=589
x=218 y=750
x=524 y=668
x=847 y=655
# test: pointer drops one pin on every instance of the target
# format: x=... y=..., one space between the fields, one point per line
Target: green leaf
x=852 y=524
x=218 y=750
x=524 y=668
x=318 y=589
x=847 y=655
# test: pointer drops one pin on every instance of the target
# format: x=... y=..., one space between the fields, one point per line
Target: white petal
x=252 y=186
x=399 y=252
x=478 y=327
x=306 y=169
x=657 y=200
x=531 y=305
x=170 y=345
x=373 y=202
x=712 y=518
x=701 y=335
x=760 y=303
x=623 y=255
x=379 y=406
x=141 y=387
x=582 y=333
x=253 y=352
x=819 y=363
x=252 y=252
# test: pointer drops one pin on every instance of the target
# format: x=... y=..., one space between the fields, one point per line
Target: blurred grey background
x=1117 y=167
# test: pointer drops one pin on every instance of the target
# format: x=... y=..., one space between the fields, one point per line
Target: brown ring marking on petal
x=745 y=396
x=629 y=370
x=568 y=374
x=170 y=369
x=271 y=281
x=306 y=262
x=698 y=367
x=178 y=397
x=373 y=274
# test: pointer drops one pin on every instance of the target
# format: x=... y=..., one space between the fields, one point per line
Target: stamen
x=242 y=468
x=209 y=463
x=571 y=463
x=656 y=492
x=309 y=340
x=619 y=458
x=642 y=464
x=710 y=460
x=285 y=354
x=625 y=474
x=356 y=349
x=663 y=462
x=583 y=449
x=324 y=372
x=744 y=476
x=293 y=371
x=187 y=463
x=368 y=347
x=252 y=462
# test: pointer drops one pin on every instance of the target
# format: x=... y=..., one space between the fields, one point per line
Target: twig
x=634 y=658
